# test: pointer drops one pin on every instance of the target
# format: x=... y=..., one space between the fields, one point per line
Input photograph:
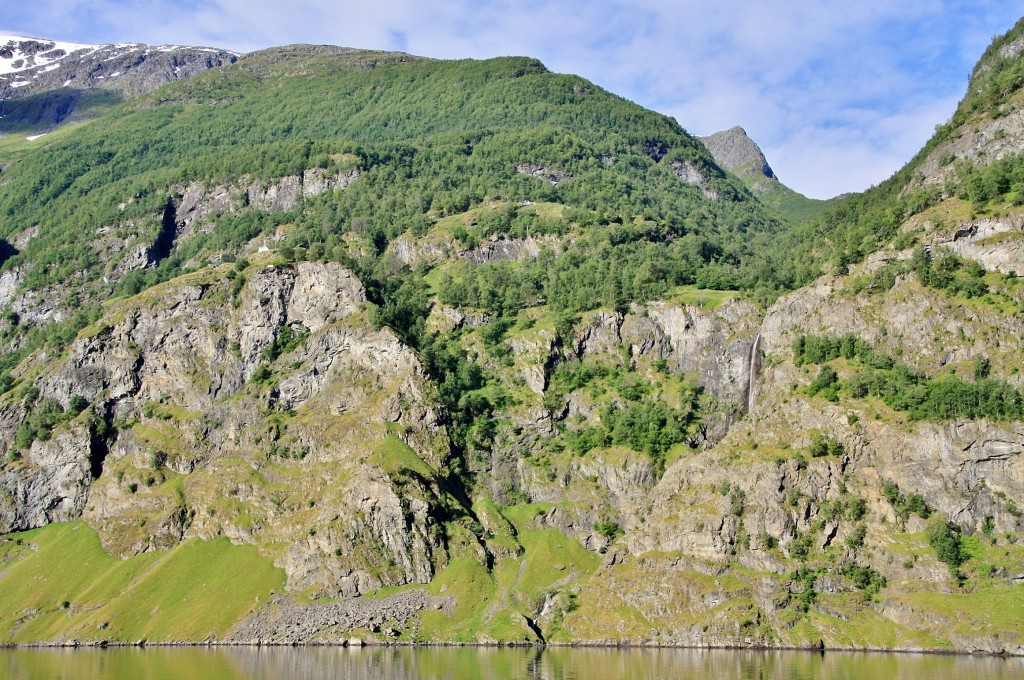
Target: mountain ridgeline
x=470 y=351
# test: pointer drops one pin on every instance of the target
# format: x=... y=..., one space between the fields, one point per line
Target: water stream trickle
x=755 y=364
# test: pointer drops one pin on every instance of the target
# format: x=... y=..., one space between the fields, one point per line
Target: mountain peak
x=734 y=150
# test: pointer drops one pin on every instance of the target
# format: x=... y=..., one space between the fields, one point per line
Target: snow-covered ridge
x=18 y=53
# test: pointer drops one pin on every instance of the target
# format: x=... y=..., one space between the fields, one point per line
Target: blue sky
x=839 y=95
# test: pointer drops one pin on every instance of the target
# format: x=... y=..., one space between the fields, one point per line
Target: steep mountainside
x=738 y=153
x=472 y=351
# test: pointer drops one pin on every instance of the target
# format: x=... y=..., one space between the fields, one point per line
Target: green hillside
x=470 y=351
x=429 y=138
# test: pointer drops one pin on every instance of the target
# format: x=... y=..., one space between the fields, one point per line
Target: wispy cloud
x=838 y=94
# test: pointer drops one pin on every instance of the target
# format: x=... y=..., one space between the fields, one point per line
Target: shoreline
x=357 y=643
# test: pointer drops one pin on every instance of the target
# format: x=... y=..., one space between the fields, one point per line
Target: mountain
x=44 y=82
x=736 y=152
x=470 y=351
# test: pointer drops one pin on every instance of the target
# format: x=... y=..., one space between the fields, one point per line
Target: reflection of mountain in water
x=488 y=663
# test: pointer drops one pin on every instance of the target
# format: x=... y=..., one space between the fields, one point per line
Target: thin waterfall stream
x=755 y=364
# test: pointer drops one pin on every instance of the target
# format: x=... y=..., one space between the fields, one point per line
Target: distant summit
x=735 y=151
x=42 y=81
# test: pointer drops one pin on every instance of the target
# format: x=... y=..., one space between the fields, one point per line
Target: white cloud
x=818 y=159
x=838 y=94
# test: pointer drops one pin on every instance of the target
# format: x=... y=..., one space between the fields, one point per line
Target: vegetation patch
x=903 y=388
x=190 y=592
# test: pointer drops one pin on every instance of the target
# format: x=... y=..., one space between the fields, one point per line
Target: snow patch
x=45 y=57
x=29 y=54
x=121 y=50
x=22 y=83
x=33 y=138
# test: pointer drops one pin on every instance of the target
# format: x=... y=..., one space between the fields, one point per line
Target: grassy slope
x=491 y=605
x=797 y=207
x=197 y=590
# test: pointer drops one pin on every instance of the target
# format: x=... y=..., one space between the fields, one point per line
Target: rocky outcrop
x=988 y=125
x=996 y=243
x=212 y=405
x=988 y=140
x=736 y=152
x=552 y=176
x=502 y=249
x=198 y=204
x=688 y=172
x=435 y=248
x=284 y=193
x=712 y=346
x=48 y=483
x=927 y=328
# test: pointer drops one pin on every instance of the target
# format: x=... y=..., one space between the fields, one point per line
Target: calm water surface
x=328 y=663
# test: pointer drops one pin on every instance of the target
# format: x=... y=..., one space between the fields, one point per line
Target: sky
x=839 y=94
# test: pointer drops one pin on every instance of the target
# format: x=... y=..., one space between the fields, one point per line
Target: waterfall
x=755 y=362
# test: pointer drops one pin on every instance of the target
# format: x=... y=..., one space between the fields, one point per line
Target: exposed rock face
x=198 y=204
x=987 y=133
x=194 y=457
x=714 y=345
x=552 y=176
x=9 y=282
x=989 y=140
x=996 y=243
x=735 y=504
x=283 y=194
x=711 y=348
x=691 y=174
x=928 y=328
x=501 y=249
x=735 y=151
x=433 y=249
x=51 y=485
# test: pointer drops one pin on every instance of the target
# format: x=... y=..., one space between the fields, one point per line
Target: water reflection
x=331 y=663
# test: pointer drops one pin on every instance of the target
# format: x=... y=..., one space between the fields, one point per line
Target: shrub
x=609 y=529
x=944 y=537
x=856 y=539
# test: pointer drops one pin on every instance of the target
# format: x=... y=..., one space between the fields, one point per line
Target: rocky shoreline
x=361 y=643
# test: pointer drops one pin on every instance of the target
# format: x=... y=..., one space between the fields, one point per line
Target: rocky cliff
x=256 y=404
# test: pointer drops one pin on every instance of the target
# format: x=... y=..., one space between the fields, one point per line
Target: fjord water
x=379 y=663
